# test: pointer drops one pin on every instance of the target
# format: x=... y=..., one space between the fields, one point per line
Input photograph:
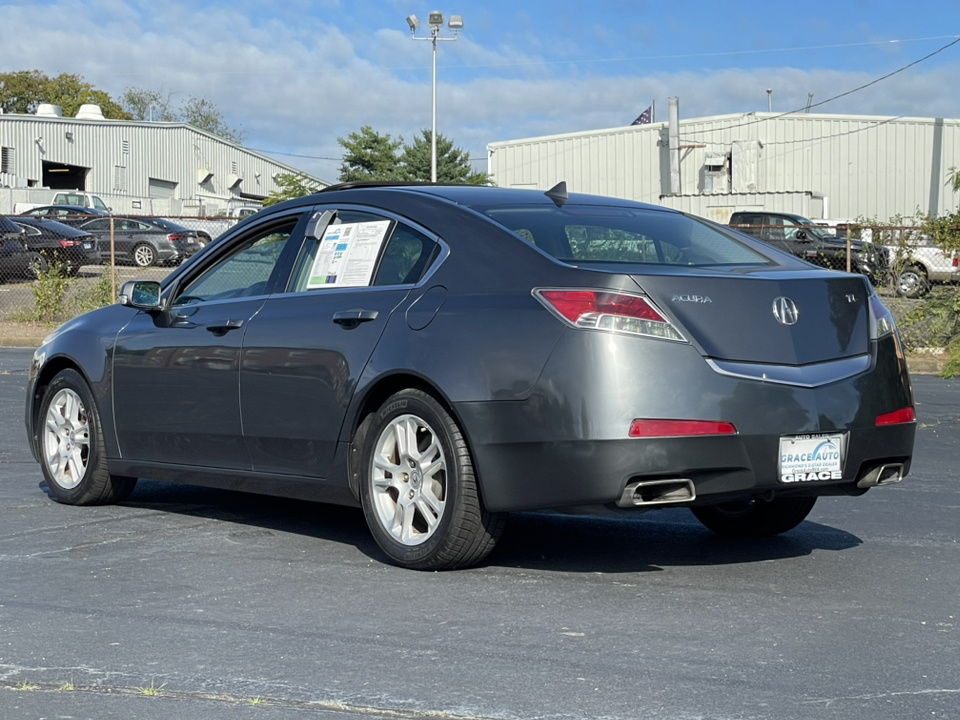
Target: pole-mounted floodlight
x=435 y=21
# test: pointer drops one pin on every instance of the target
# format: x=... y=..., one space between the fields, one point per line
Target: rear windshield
x=584 y=234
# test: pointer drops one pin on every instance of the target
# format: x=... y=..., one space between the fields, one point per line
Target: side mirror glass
x=801 y=235
x=141 y=294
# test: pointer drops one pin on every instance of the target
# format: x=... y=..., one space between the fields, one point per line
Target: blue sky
x=296 y=75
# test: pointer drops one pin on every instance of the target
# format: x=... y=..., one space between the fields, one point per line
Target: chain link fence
x=47 y=280
x=54 y=268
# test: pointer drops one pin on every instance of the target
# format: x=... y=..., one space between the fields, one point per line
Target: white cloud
x=294 y=83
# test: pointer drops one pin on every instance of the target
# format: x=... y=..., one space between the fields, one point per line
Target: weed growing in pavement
x=49 y=294
x=151 y=690
x=26 y=686
x=97 y=295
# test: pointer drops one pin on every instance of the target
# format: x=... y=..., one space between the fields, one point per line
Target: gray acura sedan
x=443 y=355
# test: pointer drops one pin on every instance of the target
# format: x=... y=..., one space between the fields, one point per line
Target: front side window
x=246 y=271
x=597 y=234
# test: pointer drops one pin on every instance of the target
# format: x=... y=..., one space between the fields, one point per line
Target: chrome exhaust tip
x=886 y=474
x=657 y=492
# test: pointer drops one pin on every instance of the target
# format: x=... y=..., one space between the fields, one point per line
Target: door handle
x=349 y=319
x=224 y=327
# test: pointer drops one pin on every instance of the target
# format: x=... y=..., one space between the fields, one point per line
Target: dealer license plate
x=811 y=458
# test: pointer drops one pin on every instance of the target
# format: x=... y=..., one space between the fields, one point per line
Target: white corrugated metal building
x=154 y=167
x=819 y=166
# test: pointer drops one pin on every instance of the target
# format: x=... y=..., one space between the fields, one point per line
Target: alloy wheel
x=409 y=480
x=66 y=439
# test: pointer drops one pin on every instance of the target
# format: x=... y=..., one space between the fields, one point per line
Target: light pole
x=435 y=21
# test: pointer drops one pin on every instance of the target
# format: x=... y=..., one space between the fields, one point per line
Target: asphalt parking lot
x=203 y=604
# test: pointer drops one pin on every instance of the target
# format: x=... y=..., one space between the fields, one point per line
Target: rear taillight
x=176 y=238
x=882 y=320
x=679 y=428
x=897 y=417
x=956 y=262
x=69 y=243
x=612 y=311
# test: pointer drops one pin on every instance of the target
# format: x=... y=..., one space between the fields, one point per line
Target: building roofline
x=155 y=124
x=735 y=117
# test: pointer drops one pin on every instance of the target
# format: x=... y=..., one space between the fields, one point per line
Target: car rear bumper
x=568 y=444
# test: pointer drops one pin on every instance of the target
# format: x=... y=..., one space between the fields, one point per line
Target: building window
x=6 y=161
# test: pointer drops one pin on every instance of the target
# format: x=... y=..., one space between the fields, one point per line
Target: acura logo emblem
x=785 y=311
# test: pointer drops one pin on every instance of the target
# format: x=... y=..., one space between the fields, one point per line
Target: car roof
x=470 y=195
x=79 y=209
x=43 y=223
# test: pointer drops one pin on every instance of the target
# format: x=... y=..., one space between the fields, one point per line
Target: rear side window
x=373 y=251
x=584 y=234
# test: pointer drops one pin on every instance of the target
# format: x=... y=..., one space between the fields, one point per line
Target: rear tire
x=38 y=264
x=755 y=518
x=144 y=255
x=418 y=487
x=912 y=282
x=72 y=454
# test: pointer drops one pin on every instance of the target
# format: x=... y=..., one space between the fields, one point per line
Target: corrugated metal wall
x=122 y=158
x=862 y=165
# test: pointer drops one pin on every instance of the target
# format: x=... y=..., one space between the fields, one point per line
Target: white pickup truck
x=65 y=197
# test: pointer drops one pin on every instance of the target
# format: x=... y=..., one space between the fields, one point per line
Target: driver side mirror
x=801 y=235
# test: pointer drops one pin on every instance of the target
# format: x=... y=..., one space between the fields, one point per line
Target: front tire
x=72 y=454
x=418 y=487
x=755 y=518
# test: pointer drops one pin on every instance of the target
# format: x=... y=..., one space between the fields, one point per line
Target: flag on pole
x=645 y=117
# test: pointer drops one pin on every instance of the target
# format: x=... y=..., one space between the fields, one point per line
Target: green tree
x=953 y=179
x=147 y=105
x=369 y=156
x=142 y=104
x=22 y=91
x=292 y=186
x=204 y=115
x=453 y=163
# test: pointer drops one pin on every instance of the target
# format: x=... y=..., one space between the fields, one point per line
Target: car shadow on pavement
x=650 y=541
x=612 y=543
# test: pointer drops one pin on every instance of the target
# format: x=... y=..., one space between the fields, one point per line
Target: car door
x=305 y=350
x=177 y=371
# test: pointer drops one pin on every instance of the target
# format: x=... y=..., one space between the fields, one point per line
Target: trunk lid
x=733 y=318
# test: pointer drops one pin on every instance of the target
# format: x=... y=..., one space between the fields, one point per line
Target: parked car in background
x=76 y=198
x=202 y=236
x=14 y=257
x=49 y=241
x=918 y=263
x=143 y=241
x=802 y=237
x=442 y=355
x=69 y=214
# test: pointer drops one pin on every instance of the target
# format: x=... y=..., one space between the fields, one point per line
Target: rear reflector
x=613 y=311
x=679 y=428
x=897 y=417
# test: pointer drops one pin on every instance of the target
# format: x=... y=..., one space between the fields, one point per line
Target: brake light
x=679 y=428
x=897 y=417
x=613 y=311
x=69 y=243
x=956 y=262
x=176 y=238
